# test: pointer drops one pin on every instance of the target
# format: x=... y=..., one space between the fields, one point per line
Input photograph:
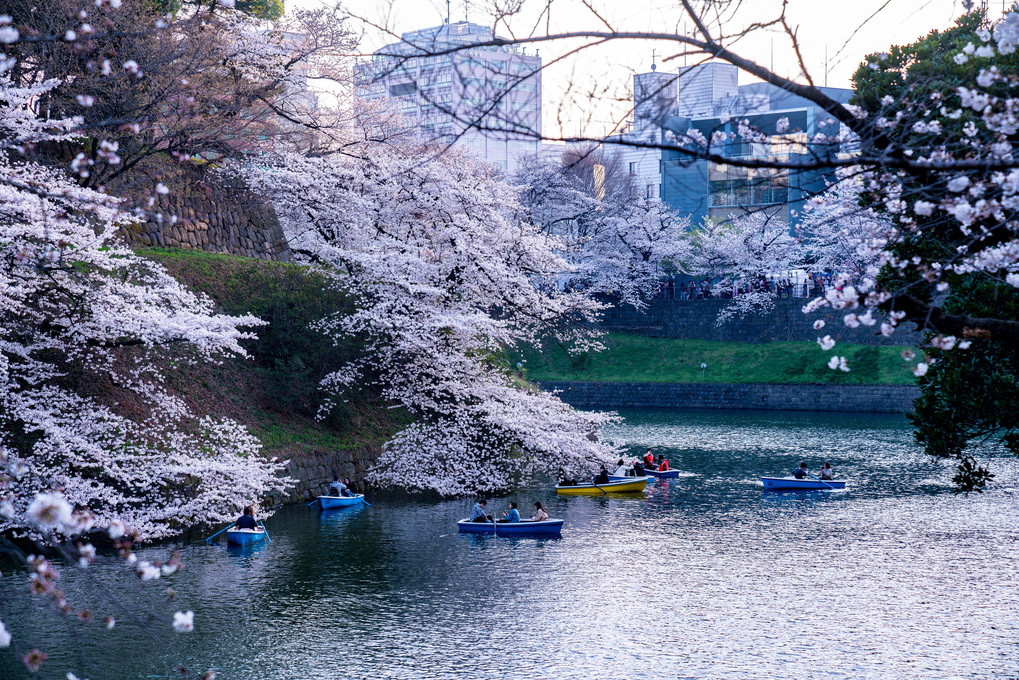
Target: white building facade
x=451 y=88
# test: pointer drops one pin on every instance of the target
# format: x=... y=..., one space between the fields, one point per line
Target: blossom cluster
x=445 y=277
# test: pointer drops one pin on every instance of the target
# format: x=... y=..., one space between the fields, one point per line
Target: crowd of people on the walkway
x=814 y=285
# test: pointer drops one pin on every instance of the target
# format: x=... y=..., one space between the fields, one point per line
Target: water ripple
x=704 y=576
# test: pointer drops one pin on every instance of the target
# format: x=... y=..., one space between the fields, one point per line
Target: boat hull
x=329 y=502
x=245 y=536
x=793 y=484
x=525 y=527
x=587 y=489
x=663 y=474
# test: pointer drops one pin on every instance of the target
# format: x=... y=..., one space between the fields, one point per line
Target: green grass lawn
x=276 y=391
x=633 y=358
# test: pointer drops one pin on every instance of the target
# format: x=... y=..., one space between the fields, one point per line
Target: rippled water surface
x=704 y=576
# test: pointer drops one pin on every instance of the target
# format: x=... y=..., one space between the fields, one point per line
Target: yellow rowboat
x=588 y=489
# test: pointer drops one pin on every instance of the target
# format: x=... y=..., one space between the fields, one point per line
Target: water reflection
x=704 y=576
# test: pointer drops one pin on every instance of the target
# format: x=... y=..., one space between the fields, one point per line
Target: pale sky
x=587 y=92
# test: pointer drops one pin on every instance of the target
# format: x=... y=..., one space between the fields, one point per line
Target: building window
x=402 y=89
x=633 y=168
x=735 y=186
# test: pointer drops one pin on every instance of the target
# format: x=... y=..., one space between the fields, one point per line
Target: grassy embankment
x=275 y=393
x=633 y=358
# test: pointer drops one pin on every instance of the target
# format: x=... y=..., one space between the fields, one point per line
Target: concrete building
x=707 y=99
x=487 y=98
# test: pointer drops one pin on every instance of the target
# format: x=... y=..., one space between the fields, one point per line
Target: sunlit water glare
x=704 y=576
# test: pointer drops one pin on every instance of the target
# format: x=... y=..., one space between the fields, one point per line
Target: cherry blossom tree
x=77 y=306
x=86 y=320
x=445 y=278
x=929 y=139
x=738 y=257
x=840 y=235
x=616 y=242
x=170 y=90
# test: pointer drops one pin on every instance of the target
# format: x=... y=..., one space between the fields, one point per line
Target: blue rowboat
x=793 y=484
x=328 y=502
x=245 y=536
x=664 y=474
x=525 y=527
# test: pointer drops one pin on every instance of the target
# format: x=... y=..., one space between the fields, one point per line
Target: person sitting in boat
x=827 y=472
x=539 y=512
x=663 y=464
x=512 y=516
x=338 y=488
x=602 y=477
x=638 y=470
x=801 y=471
x=621 y=469
x=247 y=520
x=649 y=460
x=564 y=480
x=478 y=512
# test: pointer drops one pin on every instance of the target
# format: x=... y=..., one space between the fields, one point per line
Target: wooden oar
x=219 y=532
x=822 y=481
x=314 y=501
x=365 y=502
x=267 y=539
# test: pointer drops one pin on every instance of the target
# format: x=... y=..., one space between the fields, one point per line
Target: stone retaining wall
x=849 y=398
x=696 y=319
x=315 y=472
x=214 y=214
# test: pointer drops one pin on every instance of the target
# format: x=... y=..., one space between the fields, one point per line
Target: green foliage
x=279 y=394
x=927 y=62
x=969 y=397
x=946 y=424
x=267 y=10
x=634 y=358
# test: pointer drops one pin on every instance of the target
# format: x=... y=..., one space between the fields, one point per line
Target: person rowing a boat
x=564 y=480
x=247 y=520
x=478 y=512
x=801 y=471
x=827 y=472
x=602 y=477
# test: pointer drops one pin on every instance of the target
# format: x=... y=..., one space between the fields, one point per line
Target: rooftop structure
x=485 y=97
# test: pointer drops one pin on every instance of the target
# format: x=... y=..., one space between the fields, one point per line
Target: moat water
x=704 y=576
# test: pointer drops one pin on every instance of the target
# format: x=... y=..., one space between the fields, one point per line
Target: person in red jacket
x=649 y=460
